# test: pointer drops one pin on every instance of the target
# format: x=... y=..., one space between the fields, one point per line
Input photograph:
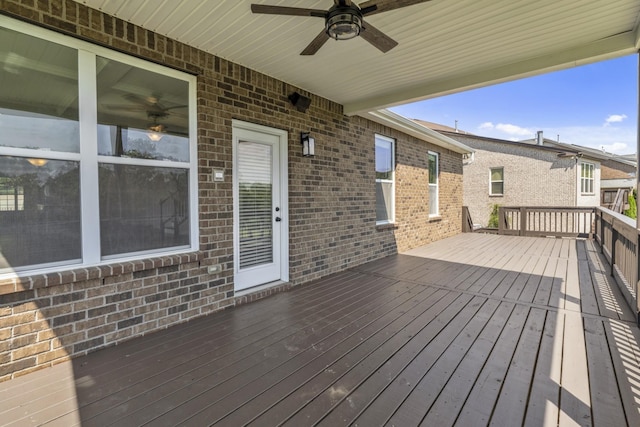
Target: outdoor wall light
x=308 y=144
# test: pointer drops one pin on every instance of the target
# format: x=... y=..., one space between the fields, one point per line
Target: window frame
x=434 y=212
x=587 y=181
x=391 y=181
x=89 y=159
x=491 y=181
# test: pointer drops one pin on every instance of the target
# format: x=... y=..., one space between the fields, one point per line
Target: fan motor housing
x=343 y=22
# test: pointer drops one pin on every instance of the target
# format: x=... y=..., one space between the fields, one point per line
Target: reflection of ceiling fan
x=343 y=21
x=154 y=110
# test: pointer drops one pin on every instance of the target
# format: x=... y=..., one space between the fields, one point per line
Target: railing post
x=601 y=216
x=614 y=239
x=501 y=220
x=523 y=222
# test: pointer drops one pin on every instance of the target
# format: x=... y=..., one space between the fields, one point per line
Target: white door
x=259 y=190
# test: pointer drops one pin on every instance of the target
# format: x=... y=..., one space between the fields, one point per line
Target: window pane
x=496 y=174
x=433 y=199
x=141 y=114
x=38 y=94
x=384 y=159
x=433 y=169
x=384 y=201
x=496 y=187
x=142 y=208
x=39 y=212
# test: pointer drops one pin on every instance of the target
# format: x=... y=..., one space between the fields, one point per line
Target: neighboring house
x=617 y=172
x=511 y=173
x=152 y=183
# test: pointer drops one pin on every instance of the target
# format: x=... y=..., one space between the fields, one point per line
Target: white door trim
x=283 y=137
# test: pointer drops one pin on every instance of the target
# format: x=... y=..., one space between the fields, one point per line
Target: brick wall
x=533 y=176
x=46 y=319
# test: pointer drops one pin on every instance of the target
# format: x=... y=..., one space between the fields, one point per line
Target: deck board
x=472 y=330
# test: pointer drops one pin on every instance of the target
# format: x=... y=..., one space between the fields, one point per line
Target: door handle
x=278 y=219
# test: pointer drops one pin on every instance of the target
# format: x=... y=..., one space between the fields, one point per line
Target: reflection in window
x=142 y=208
x=141 y=114
x=11 y=195
x=38 y=94
x=142 y=117
x=40 y=219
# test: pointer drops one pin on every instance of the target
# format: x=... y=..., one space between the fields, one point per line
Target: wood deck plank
x=544 y=397
x=512 y=402
x=605 y=395
x=484 y=394
x=395 y=339
x=446 y=408
x=354 y=347
x=575 y=408
x=283 y=344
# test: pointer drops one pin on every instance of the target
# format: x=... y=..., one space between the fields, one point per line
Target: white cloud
x=615 y=118
x=616 y=147
x=514 y=130
x=486 y=125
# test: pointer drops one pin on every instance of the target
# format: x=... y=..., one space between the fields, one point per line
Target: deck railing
x=547 y=221
x=616 y=234
x=618 y=239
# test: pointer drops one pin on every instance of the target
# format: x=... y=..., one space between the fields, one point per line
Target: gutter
x=409 y=127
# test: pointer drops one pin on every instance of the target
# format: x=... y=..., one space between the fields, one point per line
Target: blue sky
x=592 y=105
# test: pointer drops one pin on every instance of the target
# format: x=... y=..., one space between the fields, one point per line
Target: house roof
x=469 y=138
x=587 y=151
x=444 y=46
x=410 y=127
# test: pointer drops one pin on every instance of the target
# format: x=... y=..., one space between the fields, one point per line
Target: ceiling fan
x=343 y=21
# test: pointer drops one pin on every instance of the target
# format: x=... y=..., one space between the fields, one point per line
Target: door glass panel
x=38 y=94
x=255 y=188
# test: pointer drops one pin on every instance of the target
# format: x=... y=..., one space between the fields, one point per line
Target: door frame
x=283 y=143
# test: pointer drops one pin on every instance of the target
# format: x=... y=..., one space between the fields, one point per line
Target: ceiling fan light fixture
x=344 y=25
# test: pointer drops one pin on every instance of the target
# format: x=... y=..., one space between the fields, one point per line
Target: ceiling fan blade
x=316 y=44
x=372 y=7
x=377 y=38
x=284 y=10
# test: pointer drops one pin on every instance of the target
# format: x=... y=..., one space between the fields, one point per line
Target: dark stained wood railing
x=616 y=234
x=618 y=239
x=547 y=221
x=467 y=222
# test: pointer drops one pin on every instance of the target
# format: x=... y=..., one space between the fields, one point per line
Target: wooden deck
x=471 y=331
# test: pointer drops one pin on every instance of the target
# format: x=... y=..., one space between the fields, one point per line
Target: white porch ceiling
x=445 y=46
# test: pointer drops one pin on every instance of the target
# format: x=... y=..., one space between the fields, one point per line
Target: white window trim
x=592 y=179
x=391 y=220
x=491 y=193
x=435 y=186
x=88 y=155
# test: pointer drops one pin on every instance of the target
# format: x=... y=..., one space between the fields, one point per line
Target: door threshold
x=260 y=288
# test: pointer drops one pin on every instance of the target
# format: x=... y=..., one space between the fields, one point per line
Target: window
x=586 y=177
x=434 y=173
x=385 y=181
x=496 y=185
x=97 y=154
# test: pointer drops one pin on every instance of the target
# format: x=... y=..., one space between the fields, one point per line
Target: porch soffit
x=445 y=46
